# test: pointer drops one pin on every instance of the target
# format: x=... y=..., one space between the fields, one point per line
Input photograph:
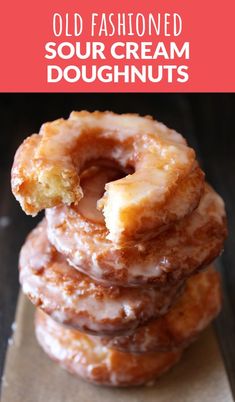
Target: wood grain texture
x=206 y=120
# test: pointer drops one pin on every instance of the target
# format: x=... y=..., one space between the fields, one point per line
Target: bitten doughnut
x=85 y=357
x=73 y=298
x=79 y=233
x=165 y=186
x=193 y=311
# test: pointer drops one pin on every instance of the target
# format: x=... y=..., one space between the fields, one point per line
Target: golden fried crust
x=73 y=298
x=166 y=184
x=194 y=310
x=85 y=357
x=173 y=255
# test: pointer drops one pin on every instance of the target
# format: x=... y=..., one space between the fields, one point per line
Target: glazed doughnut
x=193 y=311
x=79 y=233
x=73 y=298
x=165 y=186
x=85 y=357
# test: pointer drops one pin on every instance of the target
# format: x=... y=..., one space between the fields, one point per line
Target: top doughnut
x=165 y=183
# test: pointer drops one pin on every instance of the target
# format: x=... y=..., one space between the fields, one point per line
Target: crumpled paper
x=30 y=376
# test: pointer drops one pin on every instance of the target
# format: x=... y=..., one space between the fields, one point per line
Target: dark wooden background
x=206 y=120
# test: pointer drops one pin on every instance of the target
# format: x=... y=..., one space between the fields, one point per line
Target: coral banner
x=124 y=46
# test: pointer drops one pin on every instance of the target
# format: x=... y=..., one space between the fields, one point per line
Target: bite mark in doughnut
x=166 y=184
x=72 y=298
x=174 y=254
x=198 y=305
x=85 y=357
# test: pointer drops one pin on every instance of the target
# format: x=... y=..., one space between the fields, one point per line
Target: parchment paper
x=31 y=377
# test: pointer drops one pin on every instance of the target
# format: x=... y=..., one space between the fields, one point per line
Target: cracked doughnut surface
x=79 y=233
x=84 y=356
x=72 y=298
x=165 y=186
x=197 y=306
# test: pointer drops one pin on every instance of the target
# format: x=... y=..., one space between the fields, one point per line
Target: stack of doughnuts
x=120 y=266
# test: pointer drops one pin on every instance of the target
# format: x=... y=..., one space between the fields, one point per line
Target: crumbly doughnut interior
x=38 y=184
